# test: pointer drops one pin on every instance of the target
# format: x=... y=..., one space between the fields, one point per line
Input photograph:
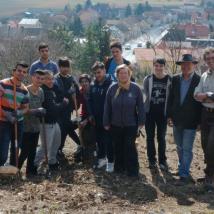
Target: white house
x=30 y=23
x=30 y=26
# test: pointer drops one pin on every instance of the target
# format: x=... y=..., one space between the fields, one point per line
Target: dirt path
x=78 y=189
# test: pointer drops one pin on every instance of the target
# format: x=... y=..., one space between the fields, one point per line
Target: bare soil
x=79 y=189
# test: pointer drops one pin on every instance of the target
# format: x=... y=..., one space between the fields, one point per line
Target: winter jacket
x=188 y=114
x=63 y=90
x=96 y=99
x=53 y=109
x=126 y=109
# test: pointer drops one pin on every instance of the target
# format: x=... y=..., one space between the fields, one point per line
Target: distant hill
x=10 y=7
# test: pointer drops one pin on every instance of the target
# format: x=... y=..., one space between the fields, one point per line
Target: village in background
x=83 y=32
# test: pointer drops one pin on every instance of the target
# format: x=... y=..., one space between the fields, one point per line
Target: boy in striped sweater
x=14 y=104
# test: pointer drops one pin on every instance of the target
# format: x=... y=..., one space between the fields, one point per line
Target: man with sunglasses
x=14 y=104
x=44 y=63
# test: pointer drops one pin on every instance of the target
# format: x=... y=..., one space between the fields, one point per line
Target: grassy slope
x=9 y=7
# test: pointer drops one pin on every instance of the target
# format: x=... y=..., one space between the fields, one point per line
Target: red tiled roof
x=147 y=55
x=194 y=30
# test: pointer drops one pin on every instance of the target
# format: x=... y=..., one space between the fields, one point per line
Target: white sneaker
x=101 y=163
x=110 y=167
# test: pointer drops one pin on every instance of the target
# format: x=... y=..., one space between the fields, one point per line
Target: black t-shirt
x=158 y=96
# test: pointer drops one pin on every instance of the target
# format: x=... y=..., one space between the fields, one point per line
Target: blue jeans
x=7 y=136
x=184 y=139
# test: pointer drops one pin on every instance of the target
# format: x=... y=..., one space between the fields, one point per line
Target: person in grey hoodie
x=156 y=90
x=124 y=116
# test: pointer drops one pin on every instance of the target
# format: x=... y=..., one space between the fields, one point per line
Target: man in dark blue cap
x=184 y=114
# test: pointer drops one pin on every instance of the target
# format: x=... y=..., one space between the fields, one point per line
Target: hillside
x=78 y=189
x=10 y=7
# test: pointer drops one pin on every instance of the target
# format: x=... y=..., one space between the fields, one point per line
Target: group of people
x=109 y=109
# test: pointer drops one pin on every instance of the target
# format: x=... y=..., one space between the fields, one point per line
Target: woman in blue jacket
x=124 y=116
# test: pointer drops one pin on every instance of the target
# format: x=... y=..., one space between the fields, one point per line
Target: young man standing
x=32 y=123
x=156 y=91
x=66 y=87
x=204 y=93
x=52 y=135
x=44 y=63
x=96 y=105
x=14 y=104
x=116 y=59
x=184 y=113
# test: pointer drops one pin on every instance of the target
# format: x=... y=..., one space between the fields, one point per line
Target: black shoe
x=78 y=155
x=31 y=172
x=60 y=155
x=164 y=166
x=152 y=165
x=54 y=167
x=184 y=181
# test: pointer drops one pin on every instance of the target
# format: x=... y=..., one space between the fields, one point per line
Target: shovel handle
x=45 y=140
x=15 y=126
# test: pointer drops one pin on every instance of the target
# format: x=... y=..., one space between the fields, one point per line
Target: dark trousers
x=104 y=144
x=126 y=157
x=6 y=137
x=28 y=151
x=12 y=145
x=154 y=120
x=207 y=140
x=68 y=128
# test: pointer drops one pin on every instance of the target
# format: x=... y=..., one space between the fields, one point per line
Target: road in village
x=154 y=35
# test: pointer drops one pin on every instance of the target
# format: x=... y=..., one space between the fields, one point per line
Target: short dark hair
x=159 y=60
x=42 y=45
x=84 y=76
x=98 y=65
x=64 y=62
x=22 y=64
x=39 y=72
x=116 y=45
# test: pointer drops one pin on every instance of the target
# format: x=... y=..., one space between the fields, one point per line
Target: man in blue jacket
x=96 y=103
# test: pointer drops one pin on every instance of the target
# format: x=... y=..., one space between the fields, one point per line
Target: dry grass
x=78 y=189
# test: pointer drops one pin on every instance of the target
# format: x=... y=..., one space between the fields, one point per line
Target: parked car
x=139 y=44
x=127 y=47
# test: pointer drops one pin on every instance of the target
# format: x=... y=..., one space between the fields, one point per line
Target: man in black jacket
x=65 y=87
x=184 y=113
x=96 y=103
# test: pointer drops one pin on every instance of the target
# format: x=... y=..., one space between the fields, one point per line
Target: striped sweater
x=7 y=100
